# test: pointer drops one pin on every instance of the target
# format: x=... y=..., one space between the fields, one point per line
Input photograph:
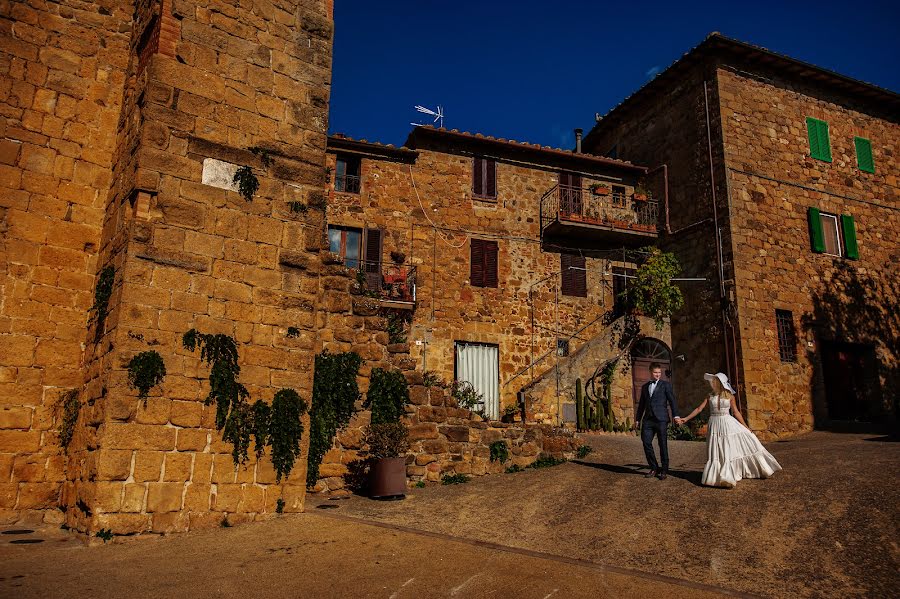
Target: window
x=484 y=178
x=562 y=347
x=864 y=158
x=618 y=196
x=819 y=143
x=621 y=285
x=833 y=235
x=574 y=275
x=787 y=336
x=479 y=364
x=345 y=242
x=346 y=177
x=484 y=263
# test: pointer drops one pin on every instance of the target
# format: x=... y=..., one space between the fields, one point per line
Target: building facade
x=784 y=190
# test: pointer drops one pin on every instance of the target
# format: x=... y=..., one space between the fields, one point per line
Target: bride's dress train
x=734 y=452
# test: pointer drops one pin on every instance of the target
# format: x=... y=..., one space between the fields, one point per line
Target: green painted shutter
x=819 y=142
x=849 y=228
x=817 y=236
x=864 y=154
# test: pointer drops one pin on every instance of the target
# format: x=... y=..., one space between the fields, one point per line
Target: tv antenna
x=438 y=115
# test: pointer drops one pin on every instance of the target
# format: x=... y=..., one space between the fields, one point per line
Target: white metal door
x=479 y=364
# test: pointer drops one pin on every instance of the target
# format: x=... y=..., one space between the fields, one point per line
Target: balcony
x=394 y=285
x=595 y=218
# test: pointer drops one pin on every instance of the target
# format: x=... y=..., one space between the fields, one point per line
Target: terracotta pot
x=387 y=479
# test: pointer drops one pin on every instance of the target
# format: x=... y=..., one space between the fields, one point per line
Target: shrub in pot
x=388 y=442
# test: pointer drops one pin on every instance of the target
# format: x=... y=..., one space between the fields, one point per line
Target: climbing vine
x=247 y=182
x=388 y=396
x=285 y=430
x=145 y=371
x=652 y=291
x=70 y=407
x=102 y=293
x=335 y=393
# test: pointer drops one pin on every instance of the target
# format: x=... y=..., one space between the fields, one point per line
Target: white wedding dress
x=734 y=452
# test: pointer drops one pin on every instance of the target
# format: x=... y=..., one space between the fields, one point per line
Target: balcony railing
x=564 y=204
x=347 y=183
x=391 y=283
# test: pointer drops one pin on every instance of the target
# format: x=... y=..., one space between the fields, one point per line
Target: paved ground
x=826 y=526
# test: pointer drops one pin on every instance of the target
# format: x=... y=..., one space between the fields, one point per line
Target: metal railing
x=347 y=183
x=391 y=282
x=565 y=203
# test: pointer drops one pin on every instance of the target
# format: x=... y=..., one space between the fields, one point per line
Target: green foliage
x=465 y=394
x=681 y=433
x=247 y=182
x=286 y=430
x=388 y=395
x=335 y=394
x=105 y=534
x=431 y=379
x=279 y=506
x=102 y=292
x=70 y=406
x=420 y=484
x=514 y=468
x=262 y=414
x=454 y=479
x=583 y=451
x=387 y=439
x=225 y=523
x=499 y=451
x=145 y=371
x=652 y=292
x=293 y=332
x=298 y=207
x=546 y=460
x=396 y=326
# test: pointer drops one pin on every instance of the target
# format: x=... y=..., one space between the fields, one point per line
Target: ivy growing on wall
x=335 y=393
x=396 y=325
x=285 y=430
x=145 y=371
x=247 y=182
x=70 y=407
x=102 y=293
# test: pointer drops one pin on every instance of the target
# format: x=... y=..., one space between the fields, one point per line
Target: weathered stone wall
x=773 y=181
x=409 y=200
x=63 y=67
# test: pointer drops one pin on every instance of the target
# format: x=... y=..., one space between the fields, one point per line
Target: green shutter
x=849 y=228
x=817 y=236
x=864 y=154
x=819 y=142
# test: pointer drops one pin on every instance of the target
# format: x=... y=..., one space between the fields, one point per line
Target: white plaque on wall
x=218 y=173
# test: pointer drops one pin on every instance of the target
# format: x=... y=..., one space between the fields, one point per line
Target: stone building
x=501 y=255
x=784 y=187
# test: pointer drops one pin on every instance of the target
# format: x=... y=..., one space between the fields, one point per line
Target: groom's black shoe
x=650 y=474
x=662 y=475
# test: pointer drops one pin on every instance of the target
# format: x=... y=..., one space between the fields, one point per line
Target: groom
x=656 y=394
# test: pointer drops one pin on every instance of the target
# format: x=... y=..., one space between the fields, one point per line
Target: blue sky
x=533 y=70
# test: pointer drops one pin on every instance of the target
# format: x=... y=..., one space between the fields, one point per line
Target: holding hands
x=680 y=421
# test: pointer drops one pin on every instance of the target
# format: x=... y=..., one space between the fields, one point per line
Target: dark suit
x=654 y=419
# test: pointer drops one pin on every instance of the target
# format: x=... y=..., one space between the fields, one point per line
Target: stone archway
x=645 y=352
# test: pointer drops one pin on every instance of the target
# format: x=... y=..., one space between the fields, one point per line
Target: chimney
x=578 y=133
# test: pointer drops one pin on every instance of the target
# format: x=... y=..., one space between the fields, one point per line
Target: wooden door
x=570 y=201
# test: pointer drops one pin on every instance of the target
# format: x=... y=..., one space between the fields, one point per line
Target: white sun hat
x=723 y=378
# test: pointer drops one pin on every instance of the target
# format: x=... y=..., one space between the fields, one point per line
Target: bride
x=734 y=451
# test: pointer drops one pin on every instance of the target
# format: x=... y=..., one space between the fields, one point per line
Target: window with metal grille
x=483 y=271
x=574 y=275
x=562 y=347
x=347 y=174
x=621 y=285
x=787 y=336
x=484 y=178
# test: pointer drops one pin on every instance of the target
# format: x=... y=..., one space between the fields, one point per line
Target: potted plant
x=601 y=189
x=641 y=194
x=398 y=257
x=509 y=413
x=388 y=442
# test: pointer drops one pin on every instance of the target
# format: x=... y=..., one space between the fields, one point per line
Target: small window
x=345 y=242
x=622 y=278
x=787 y=336
x=484 y=263
x=819 y=142
x=574 y=275
x=562 y=347
x=618 y=196
x=484 y=178
x=832 y=234
x=864 y=158
x=346 y=176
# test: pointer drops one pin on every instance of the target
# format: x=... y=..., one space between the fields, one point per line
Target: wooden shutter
x=819 y=141
x=848 y=226
x=491 y=278
x=816 y=235
x=476 y=275
x=372 y=259
x=478 y=176
x=864 y=158
x=574 y=277
x=490 y=179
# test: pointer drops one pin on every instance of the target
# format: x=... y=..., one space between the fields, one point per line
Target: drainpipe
x=665 y=170
x=578 y=133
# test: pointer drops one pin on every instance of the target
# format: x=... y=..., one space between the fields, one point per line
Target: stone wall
x=773 y=181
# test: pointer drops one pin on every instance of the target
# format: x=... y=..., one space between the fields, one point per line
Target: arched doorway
x=645 y=352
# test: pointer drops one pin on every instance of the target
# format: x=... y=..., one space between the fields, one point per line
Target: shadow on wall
x=855 y=322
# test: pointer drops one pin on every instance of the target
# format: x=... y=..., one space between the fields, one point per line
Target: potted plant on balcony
x=601 y=189
x=387 y=437
x=641 y=194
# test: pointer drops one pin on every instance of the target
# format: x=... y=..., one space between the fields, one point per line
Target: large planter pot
x=387 y=479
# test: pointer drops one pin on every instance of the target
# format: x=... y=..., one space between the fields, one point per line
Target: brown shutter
x=574 y=277
x=490 y=264
x=476 y=276
x=372 y=259
x=490 y=176
x=478 y=176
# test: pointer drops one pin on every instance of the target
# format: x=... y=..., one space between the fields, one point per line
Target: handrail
x=581 y=204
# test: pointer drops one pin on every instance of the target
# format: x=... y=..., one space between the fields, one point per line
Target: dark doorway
x=851 y=381
x=570 y=193
x=644 y=353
